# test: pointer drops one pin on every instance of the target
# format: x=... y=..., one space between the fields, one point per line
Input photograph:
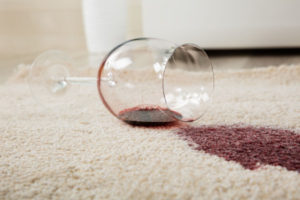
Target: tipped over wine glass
x=143 y=81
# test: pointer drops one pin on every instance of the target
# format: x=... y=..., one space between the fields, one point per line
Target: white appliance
x=219 y=24
x=104 y=23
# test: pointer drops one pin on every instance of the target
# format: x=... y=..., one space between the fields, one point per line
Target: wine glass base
x=47 y=79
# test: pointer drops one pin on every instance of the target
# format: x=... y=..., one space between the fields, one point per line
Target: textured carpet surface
x=78 y=150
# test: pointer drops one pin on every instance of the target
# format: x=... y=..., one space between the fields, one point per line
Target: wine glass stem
x=81 y=80
x=84 y=80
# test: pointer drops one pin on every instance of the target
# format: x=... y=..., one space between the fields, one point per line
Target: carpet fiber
x=78 y=150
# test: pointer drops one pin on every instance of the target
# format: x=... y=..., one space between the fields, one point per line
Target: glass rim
x=163 y=82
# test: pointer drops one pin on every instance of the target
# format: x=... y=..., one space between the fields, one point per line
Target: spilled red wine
x=250 y=146
x=148 y=116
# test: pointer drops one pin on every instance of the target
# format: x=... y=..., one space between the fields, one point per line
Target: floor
x=230 y=59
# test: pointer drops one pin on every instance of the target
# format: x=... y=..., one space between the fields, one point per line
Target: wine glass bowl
x=156 y=78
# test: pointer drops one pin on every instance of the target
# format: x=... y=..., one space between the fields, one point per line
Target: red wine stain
x=150 y=116
x=250 y=146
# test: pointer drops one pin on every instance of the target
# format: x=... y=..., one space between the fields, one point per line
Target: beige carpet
x=78 y=150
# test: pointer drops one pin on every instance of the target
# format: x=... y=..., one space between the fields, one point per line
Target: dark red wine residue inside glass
x=149 y=116
x=252 y=147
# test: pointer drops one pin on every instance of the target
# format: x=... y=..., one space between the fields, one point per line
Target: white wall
x=31 y=26
x=224 y=24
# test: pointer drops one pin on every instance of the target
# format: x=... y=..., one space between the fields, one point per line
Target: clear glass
x=141 y=81
x=47 y=77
